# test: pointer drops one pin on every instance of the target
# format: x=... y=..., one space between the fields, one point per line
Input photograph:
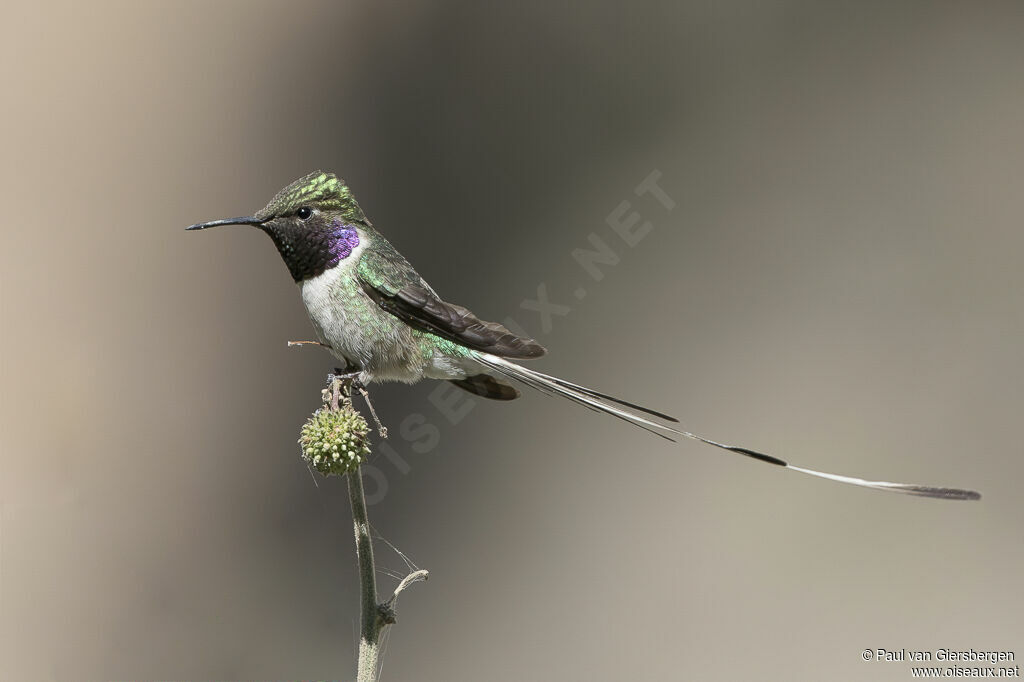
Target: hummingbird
x=372 y=310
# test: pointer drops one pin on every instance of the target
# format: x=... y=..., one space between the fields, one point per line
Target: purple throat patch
x=344 y=239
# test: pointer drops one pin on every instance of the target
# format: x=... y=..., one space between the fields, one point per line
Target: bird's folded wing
x=394 y=285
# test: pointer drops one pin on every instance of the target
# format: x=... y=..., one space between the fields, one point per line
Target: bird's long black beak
x=245 y=220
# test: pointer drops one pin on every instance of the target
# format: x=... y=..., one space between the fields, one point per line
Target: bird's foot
x=351 y=377
x=342 y=381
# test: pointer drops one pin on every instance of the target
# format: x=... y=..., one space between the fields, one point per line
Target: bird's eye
x=304 y=213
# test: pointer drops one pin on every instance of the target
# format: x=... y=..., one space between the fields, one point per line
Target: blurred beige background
x=839 y=283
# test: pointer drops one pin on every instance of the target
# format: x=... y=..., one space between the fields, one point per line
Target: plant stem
x=374 y=616
x=371 y=620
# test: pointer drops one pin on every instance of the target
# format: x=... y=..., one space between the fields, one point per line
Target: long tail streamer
x=644 y=418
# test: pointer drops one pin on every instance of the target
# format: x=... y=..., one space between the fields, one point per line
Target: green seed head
x=334 y=441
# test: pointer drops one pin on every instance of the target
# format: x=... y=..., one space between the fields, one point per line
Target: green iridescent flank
x=325 y=191
x=378 y=279
x=429 y=343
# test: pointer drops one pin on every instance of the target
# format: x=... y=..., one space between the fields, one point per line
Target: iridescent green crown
x=325 y=191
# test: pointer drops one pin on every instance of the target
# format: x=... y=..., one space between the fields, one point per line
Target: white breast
x=325 y=299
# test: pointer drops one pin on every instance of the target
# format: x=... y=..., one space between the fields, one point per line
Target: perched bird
x=377 y=315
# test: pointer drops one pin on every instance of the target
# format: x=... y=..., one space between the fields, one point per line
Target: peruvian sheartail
x=374 y=312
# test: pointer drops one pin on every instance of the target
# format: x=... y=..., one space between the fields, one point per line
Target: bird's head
x=315 y=223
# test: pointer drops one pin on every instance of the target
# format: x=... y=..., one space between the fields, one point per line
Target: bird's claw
x=349 y=375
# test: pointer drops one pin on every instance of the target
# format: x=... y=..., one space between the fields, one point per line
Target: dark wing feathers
x=393 y=284
x=486 y=386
